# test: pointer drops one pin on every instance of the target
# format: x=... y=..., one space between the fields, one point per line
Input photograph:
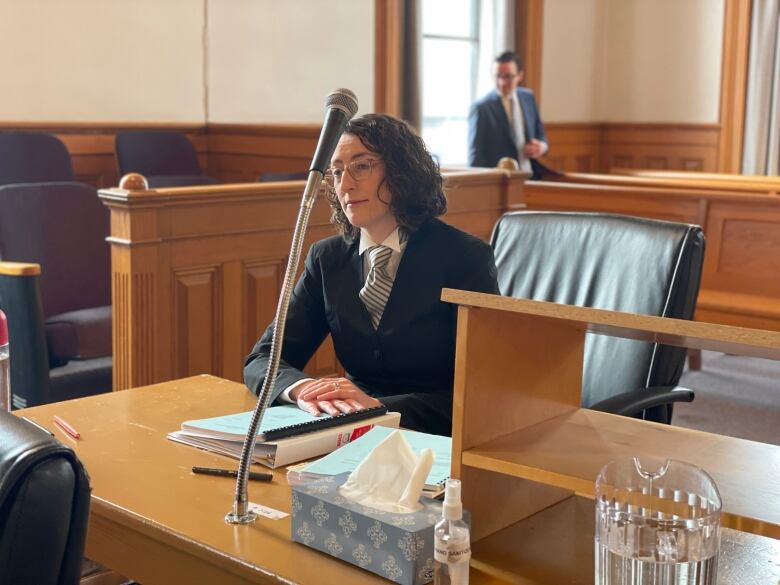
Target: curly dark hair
x=411 y=174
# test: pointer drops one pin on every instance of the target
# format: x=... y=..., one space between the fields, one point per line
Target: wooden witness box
x=528 y=454
x=196 y=271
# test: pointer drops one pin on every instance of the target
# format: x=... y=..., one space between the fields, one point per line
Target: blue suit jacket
x=490 y=136
x=408 y=362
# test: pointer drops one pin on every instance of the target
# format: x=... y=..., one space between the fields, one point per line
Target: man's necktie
x=518 y=129
x=376 y=290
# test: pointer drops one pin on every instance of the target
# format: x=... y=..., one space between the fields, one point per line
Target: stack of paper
x=225 y=434
x=345 y=459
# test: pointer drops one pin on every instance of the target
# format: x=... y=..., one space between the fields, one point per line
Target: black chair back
x=154 y=153
x=63 y=227
x=612 y=262
x=33 y=157
x=44 y=507
x=59 y=322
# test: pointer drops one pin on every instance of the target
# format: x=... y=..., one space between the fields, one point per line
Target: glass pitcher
x=657 y=523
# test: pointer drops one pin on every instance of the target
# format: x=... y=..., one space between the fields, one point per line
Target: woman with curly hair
x=376 y=287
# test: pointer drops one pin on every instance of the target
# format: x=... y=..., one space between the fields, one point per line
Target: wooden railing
x=197 y=270
x=681 y=180
x=720 y=179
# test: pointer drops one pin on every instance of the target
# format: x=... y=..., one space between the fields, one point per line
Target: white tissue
x=391 y=477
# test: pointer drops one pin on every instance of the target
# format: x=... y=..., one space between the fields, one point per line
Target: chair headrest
x=29 y=157
x=153 y=153
x=22 y=447
x=595 y=260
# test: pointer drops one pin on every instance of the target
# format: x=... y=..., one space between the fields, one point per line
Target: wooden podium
x=522 y=444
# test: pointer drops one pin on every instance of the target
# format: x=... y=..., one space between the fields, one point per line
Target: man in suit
x=376 y=288
x=506 y=121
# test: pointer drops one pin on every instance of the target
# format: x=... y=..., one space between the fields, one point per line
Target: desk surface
x=155 y=521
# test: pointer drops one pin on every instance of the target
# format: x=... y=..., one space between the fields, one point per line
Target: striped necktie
x=376 y=290
x=518 y=132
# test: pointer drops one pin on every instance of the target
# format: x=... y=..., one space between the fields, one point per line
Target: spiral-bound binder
x=320 y=423
x=294 y=434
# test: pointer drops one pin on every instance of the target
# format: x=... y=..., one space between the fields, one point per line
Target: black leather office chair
x=33 y=157
x=617 y=263
x=60 y=322
x=166 y=159
x=44 y=507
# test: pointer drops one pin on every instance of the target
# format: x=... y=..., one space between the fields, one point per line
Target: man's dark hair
x=411 y=174
x=508 y=57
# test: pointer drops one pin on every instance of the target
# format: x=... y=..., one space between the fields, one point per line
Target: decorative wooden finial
x=133 y=182
x=508 y=164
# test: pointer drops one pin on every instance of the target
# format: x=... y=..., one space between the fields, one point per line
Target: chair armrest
x=635 y=401
x=19 y=269
x=20 y=299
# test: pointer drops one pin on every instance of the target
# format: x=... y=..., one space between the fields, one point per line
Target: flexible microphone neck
x=340 y=105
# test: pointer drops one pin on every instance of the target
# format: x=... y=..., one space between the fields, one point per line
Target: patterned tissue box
x=398 y=547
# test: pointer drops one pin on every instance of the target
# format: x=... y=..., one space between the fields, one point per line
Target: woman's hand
x=331 y=395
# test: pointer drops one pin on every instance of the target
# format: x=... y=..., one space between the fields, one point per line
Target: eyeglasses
x=506 y=76
x=357 y=169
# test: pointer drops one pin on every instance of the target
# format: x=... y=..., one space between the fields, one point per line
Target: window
x=450 y=55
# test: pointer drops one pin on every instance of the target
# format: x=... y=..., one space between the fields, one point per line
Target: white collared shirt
x=393 y=241
x=514 y=110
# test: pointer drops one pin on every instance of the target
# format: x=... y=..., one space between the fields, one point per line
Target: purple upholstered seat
x=63 y=227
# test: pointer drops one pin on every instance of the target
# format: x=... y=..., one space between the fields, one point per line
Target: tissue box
x=398 y=547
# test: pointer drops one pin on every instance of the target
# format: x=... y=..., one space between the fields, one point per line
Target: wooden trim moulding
x=61 y=127
x=387 y=55
x=733 y=84
x=528 y=42
x=291 y=129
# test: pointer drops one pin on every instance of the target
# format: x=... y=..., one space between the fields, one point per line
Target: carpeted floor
x=735 y=396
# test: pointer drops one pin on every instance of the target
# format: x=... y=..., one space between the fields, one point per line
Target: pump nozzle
x=452 y=508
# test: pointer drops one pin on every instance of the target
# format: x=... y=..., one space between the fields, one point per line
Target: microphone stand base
x=234 y=518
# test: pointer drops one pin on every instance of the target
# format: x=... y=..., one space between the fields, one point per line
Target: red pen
x=66 y=427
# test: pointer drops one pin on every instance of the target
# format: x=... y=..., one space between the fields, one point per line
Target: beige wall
x=101 y=60
x=650 y=60
x=149 y=60
x=272 y=60
x=572 y=60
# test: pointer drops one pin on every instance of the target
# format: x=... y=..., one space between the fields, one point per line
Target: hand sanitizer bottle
x=452 y=541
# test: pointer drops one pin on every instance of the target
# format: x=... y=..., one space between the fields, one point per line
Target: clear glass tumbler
x=657 y=523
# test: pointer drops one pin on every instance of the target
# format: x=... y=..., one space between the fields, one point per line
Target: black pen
x=259 y=476
x=35 y=424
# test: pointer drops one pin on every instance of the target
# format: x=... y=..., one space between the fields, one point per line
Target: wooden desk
x=156 y=522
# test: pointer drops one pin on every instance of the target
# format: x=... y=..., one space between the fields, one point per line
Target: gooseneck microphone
x=340 y=106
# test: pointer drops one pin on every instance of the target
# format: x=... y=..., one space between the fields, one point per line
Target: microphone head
x=344 y=100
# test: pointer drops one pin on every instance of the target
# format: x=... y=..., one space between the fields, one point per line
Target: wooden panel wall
x=687 y=147
x=582 y=147
x=574 y=147
x=242 y=153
